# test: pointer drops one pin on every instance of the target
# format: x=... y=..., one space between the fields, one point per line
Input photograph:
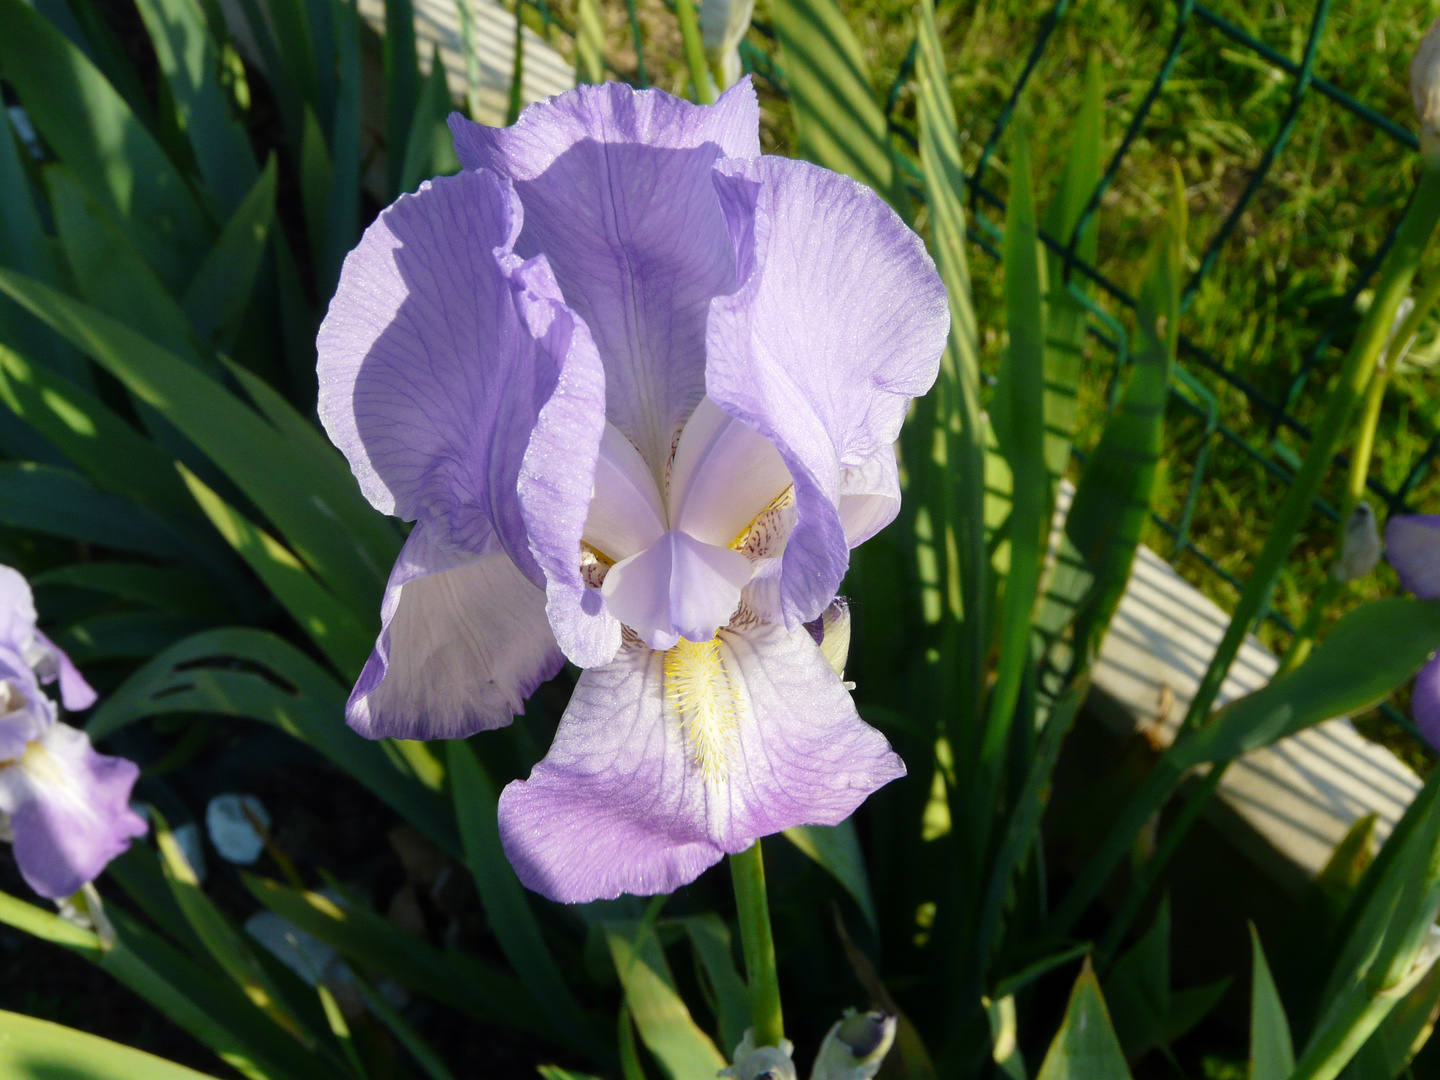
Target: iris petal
x=431 y=375
x=463 y=641
x=620 y=804
x=678 y=587
x=69 y=810
x=618 y=193
x=1412 y=544
x=838 y=324
x=723 y=476
x=626 y=515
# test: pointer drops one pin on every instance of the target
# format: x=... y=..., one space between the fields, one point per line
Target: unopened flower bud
x=753 y=1062
x=1425 y=89
x=1360 y=549
x=722 y=24
x=854 y=1048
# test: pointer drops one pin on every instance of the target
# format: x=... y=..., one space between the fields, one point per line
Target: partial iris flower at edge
x=638 y=386
x=64 y=806
x=1412 y=545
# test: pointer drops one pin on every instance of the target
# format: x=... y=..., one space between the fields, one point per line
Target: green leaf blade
x=1272 y=1054
x=1085 y=1047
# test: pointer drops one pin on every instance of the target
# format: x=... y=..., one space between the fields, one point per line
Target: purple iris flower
x=65 y=807
x=1412 y=544
x=639 y=387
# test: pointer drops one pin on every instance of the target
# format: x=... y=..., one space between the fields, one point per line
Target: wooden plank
x=1286 y=805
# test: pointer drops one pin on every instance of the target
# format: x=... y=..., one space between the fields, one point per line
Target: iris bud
x=1360 y=550
x=722 y=24
x=1425 y=89
x=854 y=1048
x=761 y=1062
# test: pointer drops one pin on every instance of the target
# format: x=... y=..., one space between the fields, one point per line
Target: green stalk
x=1359 y=470
x=517 y=69
x=694 y=51
x=1345 y=395
x=1310 y=628
x=1398 y=271
x=472 y=57
x=747 y=870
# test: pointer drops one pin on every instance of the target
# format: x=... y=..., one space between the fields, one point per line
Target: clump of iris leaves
x=173 y=223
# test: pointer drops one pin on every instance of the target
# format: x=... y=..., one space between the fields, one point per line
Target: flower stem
x=694 y=51
x=1343 y=399
x=747 y=870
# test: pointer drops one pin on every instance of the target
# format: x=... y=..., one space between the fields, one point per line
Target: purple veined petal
x=69 y=810
x=1412 y=544
x=557 y=476
x=618 y=196
x=75 y=693
x=637 y=796
x=869 y=496
x=677 y=587
x=724 y=474
x=1425 y=702
x=838 y=324
x=463 y=642
x=431 y=376
x=626 y=515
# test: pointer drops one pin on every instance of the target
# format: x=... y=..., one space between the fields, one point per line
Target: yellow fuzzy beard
x=701 y=691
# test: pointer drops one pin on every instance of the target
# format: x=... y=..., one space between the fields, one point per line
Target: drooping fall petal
x=664 y=762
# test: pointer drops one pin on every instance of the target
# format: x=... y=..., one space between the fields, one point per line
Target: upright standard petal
x=19 y=633
x=1412 y=544
x=664 y=762
x=618 y=195
x=839 y=322
x=69 y=810
x=17 y=610
x=431 y=378
x=463 y=642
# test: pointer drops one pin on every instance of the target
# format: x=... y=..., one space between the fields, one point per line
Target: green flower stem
x=694 y=51
x=1396 y=275
x=1310 y=628
x=1364 y=1007
x=747 y=870
x=1355 y=375
x=1359 y=471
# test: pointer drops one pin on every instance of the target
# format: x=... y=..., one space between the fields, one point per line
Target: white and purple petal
x=619 y=198
x=621 y=804
x=69 y=810
x=463 y=642
x=17 y=611
x=1412 y=544
x=839 y=322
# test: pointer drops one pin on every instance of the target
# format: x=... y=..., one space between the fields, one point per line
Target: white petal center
x=679 y=562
